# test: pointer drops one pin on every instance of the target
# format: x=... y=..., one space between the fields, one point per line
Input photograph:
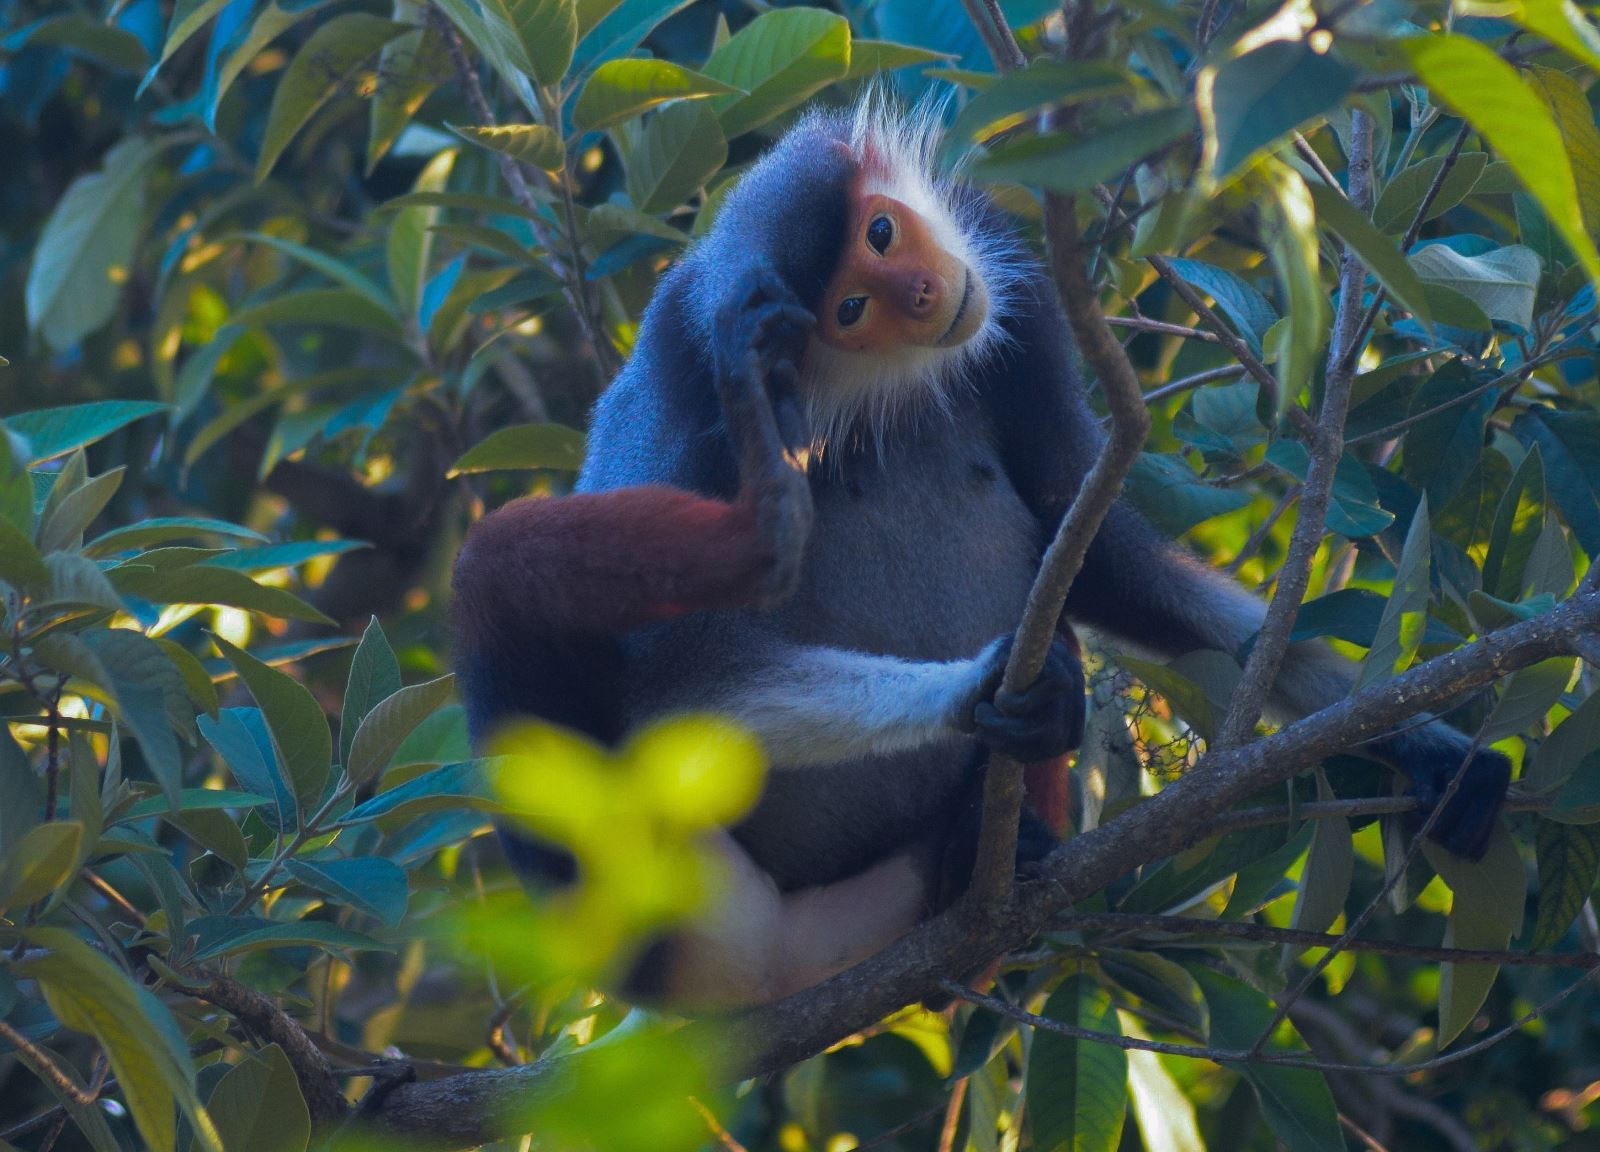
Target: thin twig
x=1162 y=328
x=1278 y=1057
x=318 y=1084
x=994 y=869
x=1189 y=383
x=44 y=1064
x=1198 y=927
x=1353 y=353
x=1272 y=641
x=571 y=273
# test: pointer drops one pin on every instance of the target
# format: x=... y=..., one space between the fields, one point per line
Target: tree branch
x=571 y=273
x=1272 y=642
x=471 y=1108
x=324 y=1098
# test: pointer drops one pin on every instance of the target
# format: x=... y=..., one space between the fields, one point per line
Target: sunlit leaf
x=83 y=254
x=1471 y=79
x=1077 y=1089
x=323 y=63
x=1485 y=912
x=619 y=90
x=524 y=446
x=780 y=59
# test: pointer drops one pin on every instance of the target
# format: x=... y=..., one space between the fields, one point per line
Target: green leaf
x=1569 y=864
x=272 y=557
x=1485 y=912
x=1168 y=492
x=680 y=149
x=1296 y=259
x=410 y=242
x=148 y=1055
x=1295 y=1101
x=81 y=33
x=331 y=266
x=1257 y=99
x=206 y=584
x=1401 y=197
x=1518 y=523
x=409 y=69
x=545 y=30
x=1163 y=1112
x=193 y=800
x=390 y=722
x=1386 y=263
x=369 y=883
x=869 y=57
x=1577 y=800
x=330 y=307
x=1405 y=616
x=294 y=934
x=21 y=566
x=524 y=446
x=374 y=677
x=44 y=860
x=1528 y=695
x=240 y=737
x=1502 y=282
x=151 y=700
x=1569 y=442
x=82 y=258
x=781 y=58
x=1559 y=21
x=321 y=67
x=1077 y=1090
x=1472 y=80
x=1249 y=310
x=1329 y=868
x=526 y=143
x=1075 y=162
x=1012 y=97
x=1569 y=106
x=466 y=785
x=1562 y=751
x=299 y=730
x=52 y=432
x=258 y=1106
x=64 y=523
x=619 y=90
x=1442 y=449
x=188 y=17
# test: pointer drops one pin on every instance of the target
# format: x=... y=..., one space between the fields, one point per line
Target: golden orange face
x=896 y=286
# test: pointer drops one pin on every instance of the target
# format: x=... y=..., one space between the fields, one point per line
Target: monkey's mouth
x=969 y=313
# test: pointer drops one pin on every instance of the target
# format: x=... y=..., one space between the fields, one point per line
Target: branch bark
x=1326 y=447
x=473 y=1107
x=324 y=1097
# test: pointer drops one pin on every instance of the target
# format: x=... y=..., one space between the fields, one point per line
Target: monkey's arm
x=814 y=705
x=1145 y=591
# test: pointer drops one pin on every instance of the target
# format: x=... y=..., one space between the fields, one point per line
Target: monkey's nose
x=923 y=294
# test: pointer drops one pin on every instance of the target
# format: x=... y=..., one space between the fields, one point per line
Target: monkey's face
x=897 y=287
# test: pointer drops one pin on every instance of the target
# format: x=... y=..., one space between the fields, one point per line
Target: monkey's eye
x=850 y=310
x=880 y=233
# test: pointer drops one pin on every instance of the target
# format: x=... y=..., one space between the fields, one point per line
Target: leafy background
x=294 y=290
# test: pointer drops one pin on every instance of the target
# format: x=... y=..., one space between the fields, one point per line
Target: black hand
x=1042 y=722
x=761 y=334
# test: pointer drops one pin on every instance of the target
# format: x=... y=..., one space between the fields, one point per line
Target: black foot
x=1468 y=820
x=1043 y=721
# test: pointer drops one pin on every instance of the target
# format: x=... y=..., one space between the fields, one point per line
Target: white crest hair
x=854 y=394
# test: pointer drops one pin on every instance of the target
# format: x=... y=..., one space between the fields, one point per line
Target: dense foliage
x=292 y=290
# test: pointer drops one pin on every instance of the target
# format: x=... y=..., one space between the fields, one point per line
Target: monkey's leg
x=759 y=944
